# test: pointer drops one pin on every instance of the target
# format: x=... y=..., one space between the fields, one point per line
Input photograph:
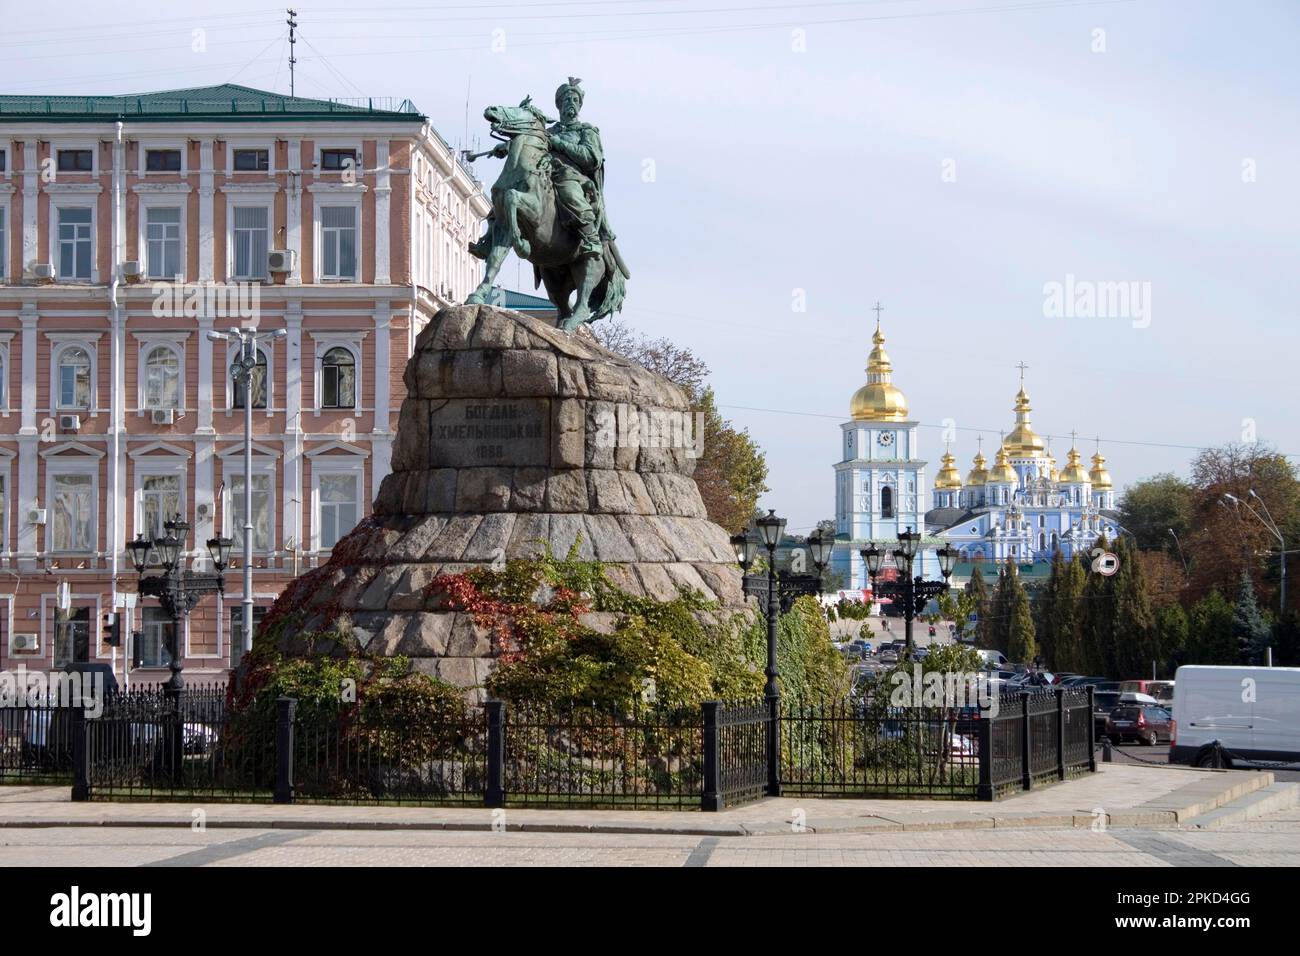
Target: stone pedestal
x=515 y=436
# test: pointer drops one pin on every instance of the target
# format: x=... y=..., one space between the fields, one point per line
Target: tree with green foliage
x=1250 y=628
x=1171 y=636
x=993 y=633
x=1209 y=631
x=1097 y=621
x=1152 y=507
x=979 y=600
x=1061 y=614
x=1022 y=644
x=1136 y=648
x=1286 y=641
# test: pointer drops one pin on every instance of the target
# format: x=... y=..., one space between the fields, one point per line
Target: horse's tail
x=613 y=289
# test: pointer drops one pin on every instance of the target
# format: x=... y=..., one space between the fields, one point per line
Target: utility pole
x=293 y=25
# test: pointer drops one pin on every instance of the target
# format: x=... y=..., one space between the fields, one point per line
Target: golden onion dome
x=1023 y=441
x=879 y=400
x=1002 y=471
x=1073 y=473
x=948 y=477
x=1098 y=473
x=979 y=474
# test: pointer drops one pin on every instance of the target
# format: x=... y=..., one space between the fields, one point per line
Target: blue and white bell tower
x=880 y=478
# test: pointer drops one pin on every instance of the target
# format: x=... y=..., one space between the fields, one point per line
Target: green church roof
x=227 y=102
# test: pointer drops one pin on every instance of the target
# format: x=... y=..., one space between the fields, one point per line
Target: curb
x=1213 y=801
x=1271 y=799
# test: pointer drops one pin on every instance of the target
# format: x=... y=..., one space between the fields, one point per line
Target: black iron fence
x=149 y=745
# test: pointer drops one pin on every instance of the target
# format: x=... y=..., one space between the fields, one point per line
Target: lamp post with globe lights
x=913 y=591
x=775 y=596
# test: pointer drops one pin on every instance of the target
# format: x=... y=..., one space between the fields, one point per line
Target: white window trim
x=161 y=200
x=65 y=464
x=232 y=466
x=6 y=225
x=7 y=147
x=144 y=146
x=5 y=339
x=159 y=466
x=324 y=461
x=58 y=342
x=57 y=204
x=227 y=602
x=267 y=349
x=322 y=343
x=263 y=196
x=356 y=145
x=266 y=144
x=48 y=623
x=335 y=196
x=148 y=342
x=7 y=498
x=185 y=647
x=355 y=469
x=58 y=145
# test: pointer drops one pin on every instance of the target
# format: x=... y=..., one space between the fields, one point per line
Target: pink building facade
x=131 y=227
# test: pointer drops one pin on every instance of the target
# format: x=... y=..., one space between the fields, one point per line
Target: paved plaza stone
x=1117 y=796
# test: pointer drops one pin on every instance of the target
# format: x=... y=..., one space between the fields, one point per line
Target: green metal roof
x=228 y=102
x=523 y=302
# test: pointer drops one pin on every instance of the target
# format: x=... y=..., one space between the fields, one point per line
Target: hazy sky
x=947 y=157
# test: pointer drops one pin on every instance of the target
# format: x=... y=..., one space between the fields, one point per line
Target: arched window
x=162 y=379
x=74 y=378
x=257 y=383
x=1042 y=541
x=338 y=379
x=887 y=502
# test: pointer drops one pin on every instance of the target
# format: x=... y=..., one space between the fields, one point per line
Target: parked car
x=888 y=655
x=1103 y=702
x=1211 y=706
x=1142 y=686
x=1145 y=723
x=993 y=659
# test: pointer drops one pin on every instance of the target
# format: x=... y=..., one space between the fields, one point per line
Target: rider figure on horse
x=578 y=168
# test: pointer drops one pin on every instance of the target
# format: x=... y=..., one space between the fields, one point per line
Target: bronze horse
x=526 y=218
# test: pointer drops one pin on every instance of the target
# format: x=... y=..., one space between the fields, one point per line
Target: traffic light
x=112 y=629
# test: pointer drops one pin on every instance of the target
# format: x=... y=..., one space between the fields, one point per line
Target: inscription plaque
x=470 y=432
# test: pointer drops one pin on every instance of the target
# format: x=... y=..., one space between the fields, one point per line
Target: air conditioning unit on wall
x=281 y=260
x=37 y=516
x=24 y=643
x=43 y=271
x=70 y=423
x=163 y=416
x=131 y=270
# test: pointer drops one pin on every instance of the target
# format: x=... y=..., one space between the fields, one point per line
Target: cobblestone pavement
x=1273 y=840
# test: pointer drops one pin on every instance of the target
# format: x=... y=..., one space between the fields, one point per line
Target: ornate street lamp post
x=241 y=370
x=776 y=595
x=914 y=592
x=178 y=591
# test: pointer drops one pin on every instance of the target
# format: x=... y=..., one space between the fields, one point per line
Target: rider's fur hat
x=571 y=85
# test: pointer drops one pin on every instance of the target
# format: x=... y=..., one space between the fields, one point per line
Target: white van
x=1253 y=713
x=993 y=659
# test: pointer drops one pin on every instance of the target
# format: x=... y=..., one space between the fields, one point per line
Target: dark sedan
x=1145 y=723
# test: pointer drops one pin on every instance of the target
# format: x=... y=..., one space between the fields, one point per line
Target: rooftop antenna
x=293 y=25
x=469 y=82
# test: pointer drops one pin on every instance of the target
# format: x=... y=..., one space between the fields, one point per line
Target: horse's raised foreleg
x=496 y=255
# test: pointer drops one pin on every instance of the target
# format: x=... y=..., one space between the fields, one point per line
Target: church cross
x=1022 y=366
x=878 y=308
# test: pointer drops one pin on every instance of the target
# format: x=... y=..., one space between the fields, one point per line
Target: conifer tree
x=1021 y=644
x=1250 y=629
